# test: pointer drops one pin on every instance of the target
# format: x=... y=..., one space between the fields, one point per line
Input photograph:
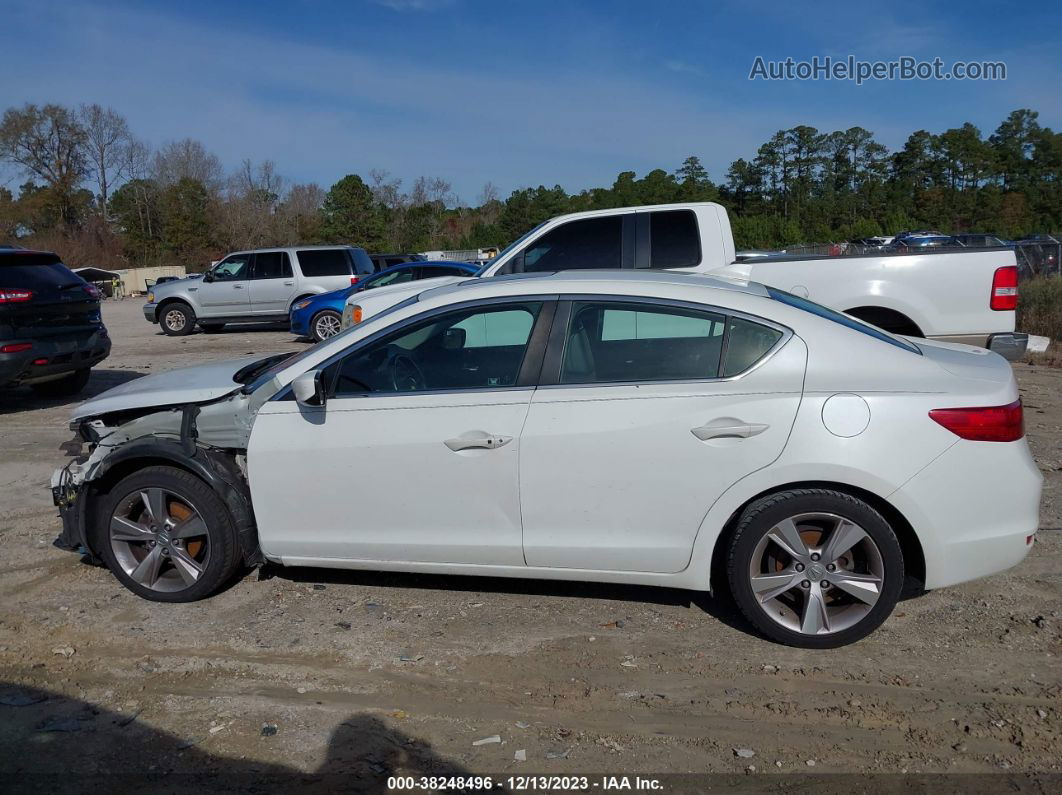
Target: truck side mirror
x=208 y=276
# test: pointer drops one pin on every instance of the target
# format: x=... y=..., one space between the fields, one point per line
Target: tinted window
x=390 y=277
x=271 y=265
x=609 y=342
x=363 y=265
x=324 y=262
x=35 y=272
x=467 y=349
x=590 y=243
x=746 y=343
x=232 y=269
x=842 y=319
x=674 y=239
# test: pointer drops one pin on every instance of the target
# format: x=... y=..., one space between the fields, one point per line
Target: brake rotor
x=179 y=512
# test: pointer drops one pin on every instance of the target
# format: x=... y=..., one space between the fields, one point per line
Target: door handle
x=288 y=284
x=728 y=430
x=237 y=287
x=485 y=442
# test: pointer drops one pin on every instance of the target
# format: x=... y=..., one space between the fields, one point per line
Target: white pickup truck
x=966 y=296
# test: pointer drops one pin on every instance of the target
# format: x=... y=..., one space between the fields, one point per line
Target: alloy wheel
x=816 y=573
x=175 y=320
x=159 y=539
x=327 y=326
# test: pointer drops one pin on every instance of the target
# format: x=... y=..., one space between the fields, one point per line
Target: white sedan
x=655 y=428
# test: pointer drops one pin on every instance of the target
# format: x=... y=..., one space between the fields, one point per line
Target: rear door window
x=578 y=245
x=324 y=262
x=674 y=239
x=271 y=265
x=611 y=342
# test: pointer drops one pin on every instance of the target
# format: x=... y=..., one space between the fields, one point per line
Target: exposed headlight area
x=305 y=302
x=151 y=296
x=352 y=314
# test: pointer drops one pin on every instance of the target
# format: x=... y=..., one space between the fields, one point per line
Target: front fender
x=216 y=468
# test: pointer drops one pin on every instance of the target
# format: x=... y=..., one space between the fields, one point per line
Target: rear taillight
x=16 y=347
x=1005 y=289
x=353 y=279
x=986 y=424
x=93 y=291
x=14 y=295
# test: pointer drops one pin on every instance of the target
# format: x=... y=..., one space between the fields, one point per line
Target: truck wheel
x=814 y=568
x=325 y=324
x=177 y=319
x=167 y=536
x=61 y=387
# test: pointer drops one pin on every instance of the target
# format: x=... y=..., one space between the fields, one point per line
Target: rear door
x=272 y=284
x=646 y=413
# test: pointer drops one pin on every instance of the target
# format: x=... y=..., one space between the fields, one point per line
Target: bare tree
x=47 y=143
x=188 y=159
x=298 y=215
x=107 y=143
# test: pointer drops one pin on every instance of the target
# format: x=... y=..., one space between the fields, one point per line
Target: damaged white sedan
x=654 y=428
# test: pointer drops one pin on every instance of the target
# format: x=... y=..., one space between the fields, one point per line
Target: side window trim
x=528 y=377
x=554 y=355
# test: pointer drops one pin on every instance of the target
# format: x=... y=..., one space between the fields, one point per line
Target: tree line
x=99 y=195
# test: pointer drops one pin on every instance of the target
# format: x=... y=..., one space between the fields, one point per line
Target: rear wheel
x=167 y=536
x=325 y=324
x=814 y=568
x=177 y=319
x=61 y=387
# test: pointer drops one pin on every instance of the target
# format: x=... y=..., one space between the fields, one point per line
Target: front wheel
x=325 y=324
x=177 y=319
x=167 y=536
x=814 y=568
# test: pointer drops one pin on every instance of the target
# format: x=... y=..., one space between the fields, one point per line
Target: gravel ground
x=291 y=675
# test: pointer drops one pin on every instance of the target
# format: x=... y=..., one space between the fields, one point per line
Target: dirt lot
x=309 y=672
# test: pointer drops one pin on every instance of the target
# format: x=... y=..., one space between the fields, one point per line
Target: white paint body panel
x=611 y=477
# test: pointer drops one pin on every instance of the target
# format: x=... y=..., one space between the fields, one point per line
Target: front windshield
x=266 y=376
x=509 y=248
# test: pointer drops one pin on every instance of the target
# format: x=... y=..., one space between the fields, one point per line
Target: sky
x=515 y=93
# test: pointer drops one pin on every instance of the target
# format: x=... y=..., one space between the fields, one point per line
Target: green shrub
x=1040 y=306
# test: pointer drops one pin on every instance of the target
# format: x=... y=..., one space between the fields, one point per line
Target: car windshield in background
x=840 y=317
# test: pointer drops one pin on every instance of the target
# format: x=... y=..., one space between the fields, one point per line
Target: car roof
x=565 y=281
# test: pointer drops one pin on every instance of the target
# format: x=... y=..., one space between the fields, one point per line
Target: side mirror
x=453 y=339
x=208 y=276
x=308 y=390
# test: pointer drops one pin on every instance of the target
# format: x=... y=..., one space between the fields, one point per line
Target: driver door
x=414 y=455
x=226 y=293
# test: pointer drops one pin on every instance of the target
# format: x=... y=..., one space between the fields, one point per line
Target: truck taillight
x=14 y=295
x=985 y=424
x=1004 y=289
x=353 y=280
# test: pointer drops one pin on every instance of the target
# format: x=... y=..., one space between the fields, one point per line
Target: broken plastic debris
x=523 y=724
x=494 y=738
x=558 y=754
x=66 y=651
x=520 y=756
x=744 y=753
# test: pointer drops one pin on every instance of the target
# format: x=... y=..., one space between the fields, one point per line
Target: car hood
x=197 y=384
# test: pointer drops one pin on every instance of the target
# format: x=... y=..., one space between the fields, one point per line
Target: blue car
x=320 y=316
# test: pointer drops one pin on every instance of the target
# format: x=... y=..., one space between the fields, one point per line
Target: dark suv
x=51 y=332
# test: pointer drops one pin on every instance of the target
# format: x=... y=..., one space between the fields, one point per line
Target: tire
x=177 y=319
x=324 y=322
x=184 y=568
x=212 y=328
x=798 y=599
x=61 y=387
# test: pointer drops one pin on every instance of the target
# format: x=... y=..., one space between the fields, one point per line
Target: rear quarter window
x=324 y=262
x=674 y=240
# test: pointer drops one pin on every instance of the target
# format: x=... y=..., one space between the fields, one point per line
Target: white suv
x=254 y=287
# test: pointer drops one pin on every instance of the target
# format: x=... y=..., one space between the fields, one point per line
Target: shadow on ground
x=50 y=743
x=23 y=398
x=718 y=606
